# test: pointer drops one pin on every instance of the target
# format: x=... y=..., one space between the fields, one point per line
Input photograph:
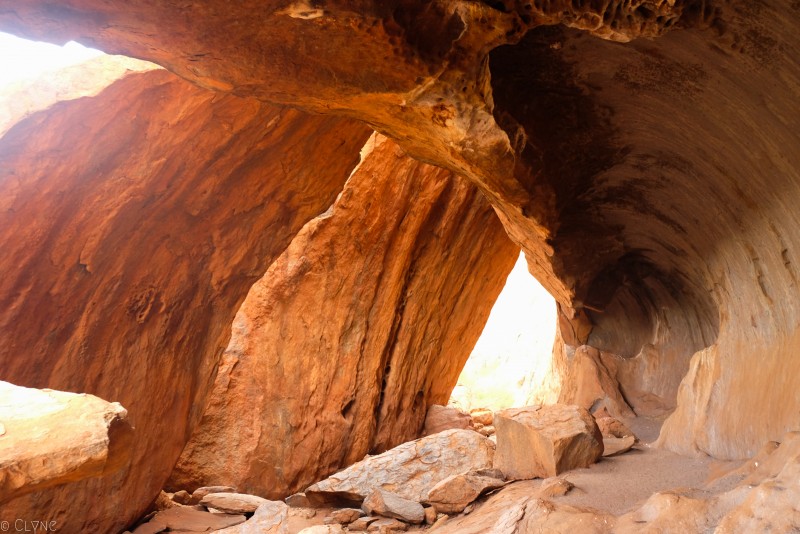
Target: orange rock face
x=364 y=321
x=132 y=225
x=653 y=185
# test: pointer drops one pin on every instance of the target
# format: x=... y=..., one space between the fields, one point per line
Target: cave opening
x=23 y=60
x=509 y=363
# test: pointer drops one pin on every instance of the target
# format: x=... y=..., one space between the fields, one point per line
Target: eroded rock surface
x=390 y=288
x=133 y=224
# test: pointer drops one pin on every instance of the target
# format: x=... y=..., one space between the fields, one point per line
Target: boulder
x=410 y=470
x=234 y=503
x=52 y=437
x=297 y=500
x=543 y=441
x=186 y=519
x=615 y=446
x=344 y=516
x=362 y=523
x=387 y=526
x=441 y=418
x=199 y=493
x=182 y=497
x=388 y=504
x=554 y=487
x=270 y=517
x=454 y=493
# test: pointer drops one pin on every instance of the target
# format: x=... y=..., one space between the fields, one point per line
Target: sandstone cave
x=247 y=253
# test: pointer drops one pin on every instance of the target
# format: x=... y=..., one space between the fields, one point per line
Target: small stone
x=469 y=509
x=484 y=417
x=362 y=522
x=486 y=431
x=182 y=497
x=344 y=516
x=615 y=446
x=234 y=503
x=199 y=493
x=390 y=504
x=387 y=526
x=430 y=515
x=298 y=500
x=555 y=487
x=163 y=502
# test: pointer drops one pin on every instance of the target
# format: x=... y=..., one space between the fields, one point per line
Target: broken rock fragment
x=410 y=470
x=271 y=517
x=233 y=503
x=344 y=516
x=441 y=418
x=388 y=504
x=543 y=441
x=454 y=493
x=617 y=446
x=186 y=519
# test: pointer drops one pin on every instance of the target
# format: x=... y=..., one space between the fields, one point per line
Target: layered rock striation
x=133 y=224
x=362 y=323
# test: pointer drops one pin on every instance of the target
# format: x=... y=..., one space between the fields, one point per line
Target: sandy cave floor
x=620 y=484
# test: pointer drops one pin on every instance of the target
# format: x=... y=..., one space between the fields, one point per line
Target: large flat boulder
x=410 y=470
x=543 y=441
x=52 y=437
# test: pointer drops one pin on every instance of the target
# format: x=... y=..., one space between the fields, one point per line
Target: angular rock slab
x=52 y=437
x=233 y=503
x=543 y=441
x=454 y=493
x=388 y=504
x=271 y=517
x=184 y=519
x=617 y=446
x=409 y=470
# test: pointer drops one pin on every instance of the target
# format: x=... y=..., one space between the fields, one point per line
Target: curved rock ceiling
x=642 y=153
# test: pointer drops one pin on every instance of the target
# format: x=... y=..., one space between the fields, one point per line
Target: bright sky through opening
x=21 y=59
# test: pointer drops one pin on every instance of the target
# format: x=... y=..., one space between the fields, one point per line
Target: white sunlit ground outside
x=21 y=59
x=513 y=353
